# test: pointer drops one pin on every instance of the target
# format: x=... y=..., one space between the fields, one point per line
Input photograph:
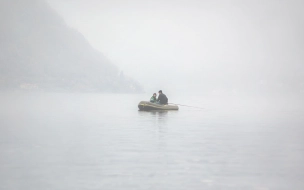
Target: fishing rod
x=186 y=105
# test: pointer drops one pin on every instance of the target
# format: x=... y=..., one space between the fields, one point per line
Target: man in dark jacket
x=162 y=98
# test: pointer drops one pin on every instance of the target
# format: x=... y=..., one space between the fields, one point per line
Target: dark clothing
x=162 y=99
x=153 y=99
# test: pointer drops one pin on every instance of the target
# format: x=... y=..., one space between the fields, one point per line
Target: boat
x=146 y=106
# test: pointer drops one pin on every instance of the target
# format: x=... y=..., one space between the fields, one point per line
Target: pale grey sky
x=194 y=43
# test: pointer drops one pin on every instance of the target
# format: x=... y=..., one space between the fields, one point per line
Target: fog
x=72 y=74
x=197 y=46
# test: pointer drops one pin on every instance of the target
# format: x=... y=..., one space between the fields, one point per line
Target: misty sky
x=195 y=43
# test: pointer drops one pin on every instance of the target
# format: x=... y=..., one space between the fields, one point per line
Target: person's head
x=154 y=94
x=160 y=91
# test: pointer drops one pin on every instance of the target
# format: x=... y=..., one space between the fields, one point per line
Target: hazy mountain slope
x=38 y=50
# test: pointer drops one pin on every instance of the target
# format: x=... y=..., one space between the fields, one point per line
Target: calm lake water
x=101 y=141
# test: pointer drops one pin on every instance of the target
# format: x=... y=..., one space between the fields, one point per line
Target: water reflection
x=159 y=117
x=160 y=114
x=159 y=124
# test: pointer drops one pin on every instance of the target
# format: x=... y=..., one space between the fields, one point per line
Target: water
x=101 y=141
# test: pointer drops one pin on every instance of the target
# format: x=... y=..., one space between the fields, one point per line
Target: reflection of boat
x=145 y=105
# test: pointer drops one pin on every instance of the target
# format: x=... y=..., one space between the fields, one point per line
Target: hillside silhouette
x=39 y=51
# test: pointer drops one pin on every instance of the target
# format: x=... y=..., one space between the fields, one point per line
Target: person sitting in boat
x=162 y=98
x=153 y=98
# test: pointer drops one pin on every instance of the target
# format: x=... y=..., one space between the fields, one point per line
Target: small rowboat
x=146 y=106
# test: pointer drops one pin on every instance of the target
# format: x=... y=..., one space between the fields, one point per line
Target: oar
x=186 y=106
